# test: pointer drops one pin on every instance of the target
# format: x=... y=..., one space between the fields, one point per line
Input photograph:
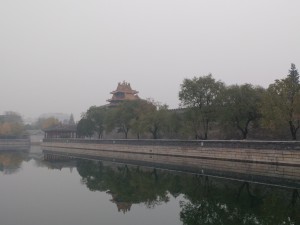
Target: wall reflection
x=207 y=200
x=283 y=175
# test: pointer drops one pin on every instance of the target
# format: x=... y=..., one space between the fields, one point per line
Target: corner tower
x=122 y=93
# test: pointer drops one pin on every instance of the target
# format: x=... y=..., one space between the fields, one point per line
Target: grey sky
x=66 y=55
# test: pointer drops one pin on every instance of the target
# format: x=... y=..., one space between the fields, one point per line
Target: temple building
x=122 y=93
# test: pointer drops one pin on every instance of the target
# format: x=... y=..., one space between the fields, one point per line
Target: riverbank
x=265 y=152
x=14 y=144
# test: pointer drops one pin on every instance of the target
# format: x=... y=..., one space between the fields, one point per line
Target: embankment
x=14 y=144
x=263 y=152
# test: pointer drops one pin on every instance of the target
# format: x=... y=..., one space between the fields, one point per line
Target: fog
x=67 y=55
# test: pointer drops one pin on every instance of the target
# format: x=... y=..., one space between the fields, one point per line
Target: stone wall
x=263 y=152
x=282 y=175
x=14 y=144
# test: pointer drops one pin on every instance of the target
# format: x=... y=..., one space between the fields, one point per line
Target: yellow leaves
x=5 y=129
x=11 y=128
x=49 y=122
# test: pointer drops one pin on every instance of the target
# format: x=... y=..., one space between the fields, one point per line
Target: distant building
x=122 y=93
x=61 y=131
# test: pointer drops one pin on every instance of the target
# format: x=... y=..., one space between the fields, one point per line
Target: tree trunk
x=206 y=122
x=154 y=132
x=244 y=130
x=293 y=130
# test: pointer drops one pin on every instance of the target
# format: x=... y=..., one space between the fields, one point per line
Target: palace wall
x=265 y=152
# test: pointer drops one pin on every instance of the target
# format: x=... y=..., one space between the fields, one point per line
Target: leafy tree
x=143 y=108
x=45 y=123
x=11 y=124
x=97 y=116
x=127 y=116
x=193 y=122
x=173 y=124
x=119 y=120
x=241 y=106
x=281 y=104
x=155 y=121
x=200 y=95
x=85 y=128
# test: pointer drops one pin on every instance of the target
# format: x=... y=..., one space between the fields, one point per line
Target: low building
x=61 y=131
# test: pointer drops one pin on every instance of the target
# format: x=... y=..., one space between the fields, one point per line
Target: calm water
x=37 y=192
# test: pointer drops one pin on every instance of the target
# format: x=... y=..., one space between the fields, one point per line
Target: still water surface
x=37 y=192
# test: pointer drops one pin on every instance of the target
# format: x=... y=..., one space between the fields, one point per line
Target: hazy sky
x=67 y=55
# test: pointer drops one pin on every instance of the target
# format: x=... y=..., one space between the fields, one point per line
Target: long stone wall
x=14 y=144
x=263 y=152
x=253 y=172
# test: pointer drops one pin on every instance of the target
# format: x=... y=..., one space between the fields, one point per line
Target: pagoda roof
x=125 y=88
x=122 y=93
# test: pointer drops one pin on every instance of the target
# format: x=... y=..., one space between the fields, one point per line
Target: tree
x=173 y=124
x=281 y=104
x=241 y=106
x=156 y=120
x=200 y=95
x=85 y=128
x=143 y=108
x=45 y=123
x=127 y=116
x=97 y=116
x=193 y=122
x=11 y=124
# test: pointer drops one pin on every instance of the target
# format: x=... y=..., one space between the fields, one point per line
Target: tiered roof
x=122 y=93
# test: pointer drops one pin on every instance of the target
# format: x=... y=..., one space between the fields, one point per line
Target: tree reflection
x=206 y=200
x=236 y=203
x=126 y=185
x=10 y=162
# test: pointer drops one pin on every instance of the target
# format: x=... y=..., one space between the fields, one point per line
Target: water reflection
x=283 y=175
x=10 y=162
x=241 y=204
x=206 y=200
x=202 y=199
x=126 y=185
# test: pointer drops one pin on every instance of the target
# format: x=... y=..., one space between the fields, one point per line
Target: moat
x=81 y=191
